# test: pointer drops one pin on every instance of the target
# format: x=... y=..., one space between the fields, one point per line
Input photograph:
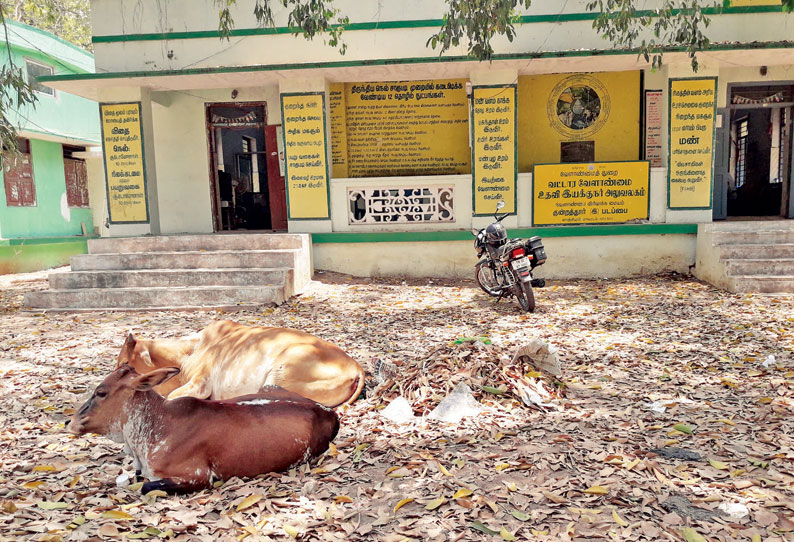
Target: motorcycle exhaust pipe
x=538 y=283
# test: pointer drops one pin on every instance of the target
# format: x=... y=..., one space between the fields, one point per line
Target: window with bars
x=780 y=143
x=76 y=176
x=18 y=177
x=742 y=133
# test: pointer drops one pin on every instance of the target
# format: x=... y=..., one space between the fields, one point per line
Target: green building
x=44 y=205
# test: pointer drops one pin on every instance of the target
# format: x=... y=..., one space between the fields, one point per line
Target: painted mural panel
x=598 y=193
x=584 y=117
x=402 y=128
x=494 y=149
x=692 y=107
x=122 y=146
x=305 y=155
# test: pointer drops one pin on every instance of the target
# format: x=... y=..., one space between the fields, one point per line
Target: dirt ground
x=672 y=419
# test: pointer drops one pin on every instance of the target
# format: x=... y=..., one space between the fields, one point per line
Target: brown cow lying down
x=227 y=359
x=187 y=444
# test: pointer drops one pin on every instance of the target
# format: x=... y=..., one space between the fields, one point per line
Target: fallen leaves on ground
x=672 y=420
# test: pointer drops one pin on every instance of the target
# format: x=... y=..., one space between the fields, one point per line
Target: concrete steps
x=180 y=272
x=216 y=259
x=156 y=297
x=142 y=278
x=747 y=256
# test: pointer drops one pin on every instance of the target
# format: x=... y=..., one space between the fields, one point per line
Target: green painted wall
x=25 y=256
x=62 y=115
x=50 y=216
x=53 y=119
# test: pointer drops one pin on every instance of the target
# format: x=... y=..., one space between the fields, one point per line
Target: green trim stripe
x=43 y=240
x=546 y=232
x=397 y=61
x=417 y=23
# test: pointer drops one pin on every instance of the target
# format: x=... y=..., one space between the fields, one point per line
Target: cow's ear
x=155 y=378
x=125 y=356
x=147 y=358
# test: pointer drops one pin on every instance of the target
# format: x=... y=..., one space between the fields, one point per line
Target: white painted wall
x=115 y=17
x=182 y=147
x=568 y=257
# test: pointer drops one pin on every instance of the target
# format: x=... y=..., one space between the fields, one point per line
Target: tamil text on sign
x=653 y=127
x=605 y=192
x=400 y=128
x=494 y=149
x=124 y=168
x=692 y=108
x=305 y=155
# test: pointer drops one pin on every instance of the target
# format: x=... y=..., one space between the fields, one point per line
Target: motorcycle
x=506 y=269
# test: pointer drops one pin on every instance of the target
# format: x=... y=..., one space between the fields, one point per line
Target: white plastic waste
x=770 y=360
x=457 y=405
x=398 y=411
x=735 y=510
x=123 y=480
x=541 y=354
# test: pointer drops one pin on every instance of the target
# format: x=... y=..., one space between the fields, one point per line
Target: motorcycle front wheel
x=525 y=295
x=485 y=278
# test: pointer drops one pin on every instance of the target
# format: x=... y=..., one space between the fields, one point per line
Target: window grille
x=395 y=205
x=780 y=142
x=741 y=152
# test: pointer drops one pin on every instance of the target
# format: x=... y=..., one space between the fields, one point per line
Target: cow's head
x=136 y=354
x=104 y=411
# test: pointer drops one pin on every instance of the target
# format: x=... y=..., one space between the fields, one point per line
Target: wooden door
x=275 y=180
x=722 y=164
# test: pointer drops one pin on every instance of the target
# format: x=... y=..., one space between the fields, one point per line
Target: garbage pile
x=451 y=382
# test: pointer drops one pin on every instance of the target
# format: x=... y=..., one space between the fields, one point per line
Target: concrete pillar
x=144 y=96
x=299 y=86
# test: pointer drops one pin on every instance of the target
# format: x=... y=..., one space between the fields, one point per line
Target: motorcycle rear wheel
x=525 y=295
x=484 y=276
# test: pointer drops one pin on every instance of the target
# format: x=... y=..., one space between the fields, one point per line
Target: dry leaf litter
x=671 y=419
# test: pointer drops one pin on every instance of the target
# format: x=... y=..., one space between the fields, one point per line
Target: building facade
x=390 y=154
x=45 y=207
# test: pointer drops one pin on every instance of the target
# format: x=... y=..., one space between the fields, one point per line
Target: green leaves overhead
x=476 y=22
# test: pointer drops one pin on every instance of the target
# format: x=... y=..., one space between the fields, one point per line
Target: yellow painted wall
x=755 y=3
x=615 y=131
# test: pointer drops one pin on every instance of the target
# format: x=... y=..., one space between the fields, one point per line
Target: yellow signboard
x=125 y=178
x=337 y=109
x=494 y=149
x=598 y=193
x=401 y=128
x=755 y=3
x=305 y=154
x=692 y=107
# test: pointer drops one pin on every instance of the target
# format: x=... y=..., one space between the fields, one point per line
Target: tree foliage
x=674 y=23
x=14 y=93
x=67 y=19
x=478 y=21
x=309 y=18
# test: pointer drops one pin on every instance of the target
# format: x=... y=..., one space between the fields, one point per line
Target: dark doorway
x=760 y=143
x=240 y=184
